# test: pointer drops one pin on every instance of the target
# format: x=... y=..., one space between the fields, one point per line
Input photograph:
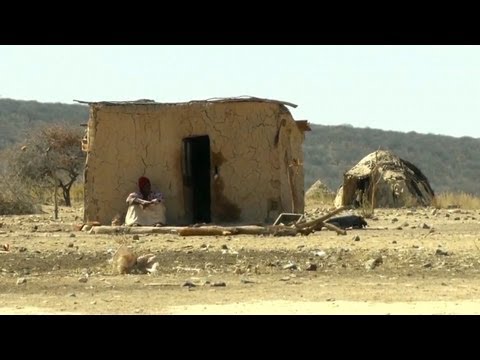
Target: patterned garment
x=138 y=195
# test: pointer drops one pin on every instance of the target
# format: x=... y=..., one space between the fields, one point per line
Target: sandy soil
x=408 y=261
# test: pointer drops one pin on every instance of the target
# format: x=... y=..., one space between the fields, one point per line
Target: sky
x=425 y=89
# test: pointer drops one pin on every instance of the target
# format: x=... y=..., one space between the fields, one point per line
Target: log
x=277 y=230
x=320 y=219
x=132 y=230
x=203 y=231
x=335 y=228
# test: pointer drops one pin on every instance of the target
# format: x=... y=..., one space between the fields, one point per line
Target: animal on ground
x=348 y=221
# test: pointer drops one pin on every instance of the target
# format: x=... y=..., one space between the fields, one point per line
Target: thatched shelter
x=385 y=179
x=234 y=160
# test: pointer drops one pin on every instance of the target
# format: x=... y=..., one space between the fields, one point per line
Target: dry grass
x=319 y=199
x=452 y=200
x=76 y=194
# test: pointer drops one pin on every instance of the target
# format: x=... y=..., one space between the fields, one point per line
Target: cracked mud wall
x=252 y=183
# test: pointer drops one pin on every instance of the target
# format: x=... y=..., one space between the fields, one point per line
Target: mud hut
x=232 y=160
x=385 y=179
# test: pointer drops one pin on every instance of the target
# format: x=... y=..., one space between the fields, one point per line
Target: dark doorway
x=197 y=176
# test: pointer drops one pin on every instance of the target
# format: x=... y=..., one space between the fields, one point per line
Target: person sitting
x=145 y=207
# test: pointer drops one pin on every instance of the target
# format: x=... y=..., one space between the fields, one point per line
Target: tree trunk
x=66 y=195
x=66 y=192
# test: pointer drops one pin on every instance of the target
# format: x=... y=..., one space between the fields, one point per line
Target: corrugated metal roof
x=244 y=98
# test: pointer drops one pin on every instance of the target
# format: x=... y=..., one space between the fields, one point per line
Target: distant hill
x=451 y=164
x=17 y=116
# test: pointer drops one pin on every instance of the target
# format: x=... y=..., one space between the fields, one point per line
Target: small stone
x=135 y=237
x=427 y=265
x=424 y=226
x=188 y=284
x=21 y=280
x=311 y=267
x=218 y=283
x=373 y=263
x=320 y=253
x=72 y=235
x=356 y=238
x=70 y=245
x=289 y=266
x=83 y=279
x=394 y=241
x=247 y=281
x=224 y=247
x=440 y=252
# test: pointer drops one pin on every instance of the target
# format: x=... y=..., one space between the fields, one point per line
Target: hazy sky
x=426 y=89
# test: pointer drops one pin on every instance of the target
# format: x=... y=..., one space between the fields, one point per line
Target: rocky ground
x=406 y=261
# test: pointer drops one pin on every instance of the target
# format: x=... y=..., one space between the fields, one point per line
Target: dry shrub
x=459 y=199
x=76 y=192
x=16 y=199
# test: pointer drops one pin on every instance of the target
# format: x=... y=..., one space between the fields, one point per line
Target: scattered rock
x=72 y=235
x=290 y=266
x=373 y=263
x=219 y=283
x=247 y=281
x=440 y=252
x=311 y=267
x=83 y=279
x=70 y=245
x=21 y=280
x=320 y=253
x=188 y=284
x=424 y=226
x=356 y=238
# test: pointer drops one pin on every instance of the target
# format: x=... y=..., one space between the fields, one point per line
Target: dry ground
x=397 y=266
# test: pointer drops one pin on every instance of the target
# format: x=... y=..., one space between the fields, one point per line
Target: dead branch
x=320 y=219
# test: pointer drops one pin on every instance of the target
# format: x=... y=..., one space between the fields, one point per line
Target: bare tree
x=51 y=156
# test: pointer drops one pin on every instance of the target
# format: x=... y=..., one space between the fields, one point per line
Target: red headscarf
x=143 y=181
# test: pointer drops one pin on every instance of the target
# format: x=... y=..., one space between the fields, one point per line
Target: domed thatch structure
x=386 y=180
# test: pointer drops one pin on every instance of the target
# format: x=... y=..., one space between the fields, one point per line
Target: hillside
x=451 y=164
x=18 y=116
